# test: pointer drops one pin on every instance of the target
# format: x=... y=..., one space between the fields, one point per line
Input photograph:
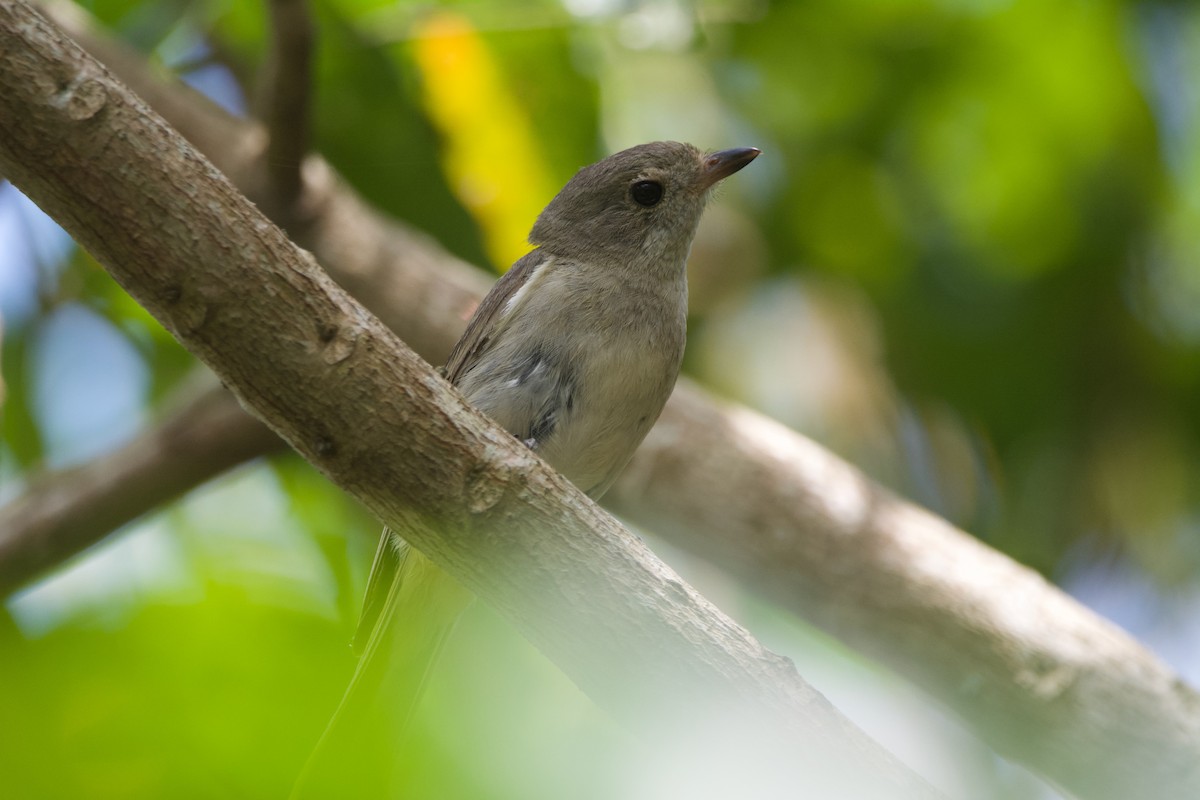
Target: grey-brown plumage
x=574 y=351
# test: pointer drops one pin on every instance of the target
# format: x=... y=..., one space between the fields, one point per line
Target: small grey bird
x=574 y=351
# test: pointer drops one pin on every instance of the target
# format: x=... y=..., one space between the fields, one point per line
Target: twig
x=287 y=90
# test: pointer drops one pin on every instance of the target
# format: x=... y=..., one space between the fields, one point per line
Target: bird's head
x=638 y=206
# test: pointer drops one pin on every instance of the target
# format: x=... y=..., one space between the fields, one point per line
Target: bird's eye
x=646 y=193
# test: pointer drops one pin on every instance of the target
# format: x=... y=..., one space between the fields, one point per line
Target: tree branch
x=287 y=91
x=1040 y=677
x=1034 y=673
x=62 y=513
x=334 y=382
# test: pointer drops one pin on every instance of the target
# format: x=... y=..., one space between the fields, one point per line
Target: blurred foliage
x=967 y=260
x=466 y=95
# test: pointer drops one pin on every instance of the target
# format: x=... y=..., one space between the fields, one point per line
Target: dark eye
x=646 y=193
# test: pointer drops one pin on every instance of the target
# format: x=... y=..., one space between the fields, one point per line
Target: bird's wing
x=471 y=345
x=474 y=342
x=410 y=605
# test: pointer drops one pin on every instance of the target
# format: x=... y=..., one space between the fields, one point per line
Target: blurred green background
x=966 y=261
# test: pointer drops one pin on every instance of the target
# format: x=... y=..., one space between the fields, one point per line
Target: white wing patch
x=520 y=295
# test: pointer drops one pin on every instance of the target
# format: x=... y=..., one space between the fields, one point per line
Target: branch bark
x=334 y=382
x=1039 y=677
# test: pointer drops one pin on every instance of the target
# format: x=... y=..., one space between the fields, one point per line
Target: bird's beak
x=723 y=163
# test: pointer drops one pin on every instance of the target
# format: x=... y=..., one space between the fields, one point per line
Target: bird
x=574 y=352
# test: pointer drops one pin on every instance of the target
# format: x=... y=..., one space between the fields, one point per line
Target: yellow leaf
x=491 y=156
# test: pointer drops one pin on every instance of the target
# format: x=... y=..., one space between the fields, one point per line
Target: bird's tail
x=411 y=607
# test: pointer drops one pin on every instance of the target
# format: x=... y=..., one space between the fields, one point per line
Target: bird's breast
x=581 y=366
x=627 y=347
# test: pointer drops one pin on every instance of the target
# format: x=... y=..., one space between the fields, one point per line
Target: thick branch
x=335 y=383
x=1039 y=677
x=979 y=632
x=422 y=292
